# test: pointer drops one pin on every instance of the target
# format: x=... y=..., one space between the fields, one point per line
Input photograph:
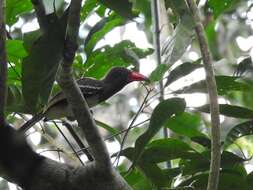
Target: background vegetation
x=178 y=157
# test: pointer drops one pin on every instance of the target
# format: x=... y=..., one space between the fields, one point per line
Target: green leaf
x=244 y=66
x=198 y=163
x=138 y=181
x=155 y=174
x=238 y=131
x=15 y=102
x=158 y=73
x=151 y=170
x=163 y=111
x=14 y=8
x=40 y=66
x=181 y=38
x=123 y=7
x=225 y=84
x=166 y=149
x=202 y=140
x=15 y=50
x=101 y=60
x=144 y=7
x=88 y=6
x=182 y=70
x=228 y=180
x=230 y=111
x=186 y=124
x=100 y=30
x=111 y=130
x=218 y=7
x=229 y=159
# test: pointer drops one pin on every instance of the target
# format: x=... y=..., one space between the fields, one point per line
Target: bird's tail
x=27 y=125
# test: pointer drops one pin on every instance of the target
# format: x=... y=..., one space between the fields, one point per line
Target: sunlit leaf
x=100 y=30
x=218 y=7
x=230 y=111
x=181 y=38
x=158 y=73
x=238 y=131
x=15 y=50
x=101 y=60
x=185 y=124
x=182 y=70
x=16 y=7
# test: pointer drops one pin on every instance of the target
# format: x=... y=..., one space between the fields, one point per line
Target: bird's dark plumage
x=94 y=91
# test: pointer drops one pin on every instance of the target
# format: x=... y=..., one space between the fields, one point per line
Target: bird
x=94 y=91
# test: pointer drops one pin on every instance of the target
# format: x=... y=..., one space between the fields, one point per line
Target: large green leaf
x=230 y=111
x=228 y=180
x=123 y=7
x=162 y=150
x=155 y=174
x=238 y=131
x=158 y=73
x=101 y=60
x=186 y=124
x=40 y=66
x=218 y=7
x=163 y=111
x=16 y=7
x=181 y=38
x=100 y=30
x=182 y=70
x=200 y=162
x=15 y=50
x=225 y=84
x=137 y=180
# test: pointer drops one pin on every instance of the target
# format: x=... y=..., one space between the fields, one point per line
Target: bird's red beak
x=135 y=76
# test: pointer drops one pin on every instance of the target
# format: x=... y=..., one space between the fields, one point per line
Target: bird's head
x=123 y=76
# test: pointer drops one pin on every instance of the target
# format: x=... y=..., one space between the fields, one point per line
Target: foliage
x=34 y=57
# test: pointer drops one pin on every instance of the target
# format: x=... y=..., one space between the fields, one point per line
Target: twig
x=213 y=179
x=131 y=124
x=78 y=140
x=66 y=139
x=121 y=132
x=74 y=95
x=3 y=64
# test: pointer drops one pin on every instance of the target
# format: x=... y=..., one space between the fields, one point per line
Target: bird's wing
x=89 y=87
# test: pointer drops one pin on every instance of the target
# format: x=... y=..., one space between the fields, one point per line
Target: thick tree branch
x=74 y=95
x=156 y=41
x=212 y=91
x=40 y=14
x=3 y=63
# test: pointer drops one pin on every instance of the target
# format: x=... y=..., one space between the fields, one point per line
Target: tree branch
x=40 y=14
x=74 y=95
x=3 y=63
x=213 y=179
x=156 y=41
